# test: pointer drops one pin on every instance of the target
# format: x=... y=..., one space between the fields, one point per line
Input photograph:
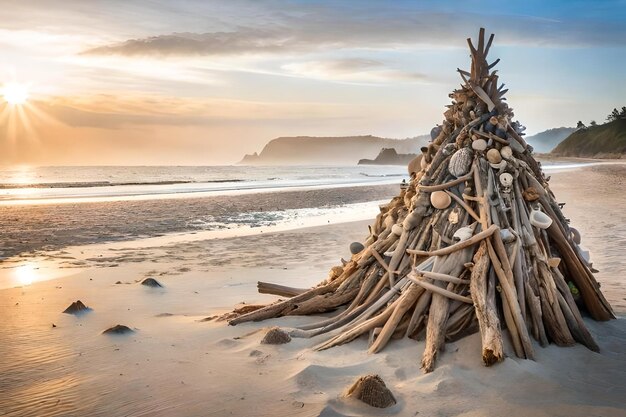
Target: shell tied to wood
x=461 y=162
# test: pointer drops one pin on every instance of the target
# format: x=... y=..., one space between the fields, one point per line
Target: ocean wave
x=90 y=184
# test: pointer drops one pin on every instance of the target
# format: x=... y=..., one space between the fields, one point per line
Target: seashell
x=396 y=229
x=506 y=152
x=530 y=194
x=506 y=179
x=460 y=162
x=540 y=219
x=507 y=236
x=499 y=166
x=356 y=247
x=493 y=156
x=575 y=235
x=440 y=200
x=479 y=145
x=462 y=234
x=554 y=262
x=415 y=165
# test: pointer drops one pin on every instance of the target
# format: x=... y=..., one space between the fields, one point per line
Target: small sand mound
x=276 y=336
x=76 y=307
x=151 y=282
x=118 y=329
x=371 y=389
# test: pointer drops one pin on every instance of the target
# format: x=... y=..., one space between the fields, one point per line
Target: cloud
x=352 y=70
x=108 y=111
x=390 y=28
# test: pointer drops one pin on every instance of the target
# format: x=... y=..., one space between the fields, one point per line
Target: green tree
x=593 y=123
x=580 y=125
x=613 y=116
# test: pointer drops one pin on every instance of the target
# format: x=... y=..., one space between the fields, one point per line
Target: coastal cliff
x=346 y=150
x=389 y=156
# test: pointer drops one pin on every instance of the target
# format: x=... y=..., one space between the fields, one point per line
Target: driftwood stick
x=486 y=312
x=280 y=290
x=439 y=290
x=457 y=246
x=406 y=301
x=445 y=185
x=595 y=302
x=443 y=277
x=418 y=316
x=463 y=204
x=508 y=288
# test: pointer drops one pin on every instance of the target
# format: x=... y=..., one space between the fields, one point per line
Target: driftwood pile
x=474 y=242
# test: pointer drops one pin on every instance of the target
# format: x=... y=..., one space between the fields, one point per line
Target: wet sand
x=32 y=228
x=176 y=364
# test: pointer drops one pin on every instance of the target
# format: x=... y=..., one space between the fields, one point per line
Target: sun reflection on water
x=26 y=274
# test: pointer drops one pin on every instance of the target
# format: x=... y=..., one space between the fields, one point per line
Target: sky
x=191 y=82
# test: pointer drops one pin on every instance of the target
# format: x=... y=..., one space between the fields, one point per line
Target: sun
x=15 y=93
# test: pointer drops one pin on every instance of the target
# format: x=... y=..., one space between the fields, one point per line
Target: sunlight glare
x=26 y=274
x=15 y=93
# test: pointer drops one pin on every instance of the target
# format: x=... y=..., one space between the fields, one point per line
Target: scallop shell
x=479 y=145
x=493 y=156
x=460 y=162
x=440 y=200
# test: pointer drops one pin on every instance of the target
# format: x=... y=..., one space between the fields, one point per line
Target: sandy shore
x=45 y=227
x=176 y=364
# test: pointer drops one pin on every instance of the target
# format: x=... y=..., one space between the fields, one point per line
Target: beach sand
x=177 y=364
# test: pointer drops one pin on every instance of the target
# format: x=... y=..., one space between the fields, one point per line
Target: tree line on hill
x=614 y=115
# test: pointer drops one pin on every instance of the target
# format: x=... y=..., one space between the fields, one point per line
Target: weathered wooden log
x=280 y=290
x=406 y=301
x=486 y=313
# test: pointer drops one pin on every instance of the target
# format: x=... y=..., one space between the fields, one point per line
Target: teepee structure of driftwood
x=476 y=241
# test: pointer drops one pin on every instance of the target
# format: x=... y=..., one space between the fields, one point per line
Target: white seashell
x=540 y=219
x=440 y=200
x=507 y=236
x=462 y=234
x=506 y=152
x=461 y=162
x=396 y=229
x=479 y=145
x=506 y=179
x=493 y=156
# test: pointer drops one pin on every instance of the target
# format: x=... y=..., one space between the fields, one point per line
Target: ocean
x=38 y=185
